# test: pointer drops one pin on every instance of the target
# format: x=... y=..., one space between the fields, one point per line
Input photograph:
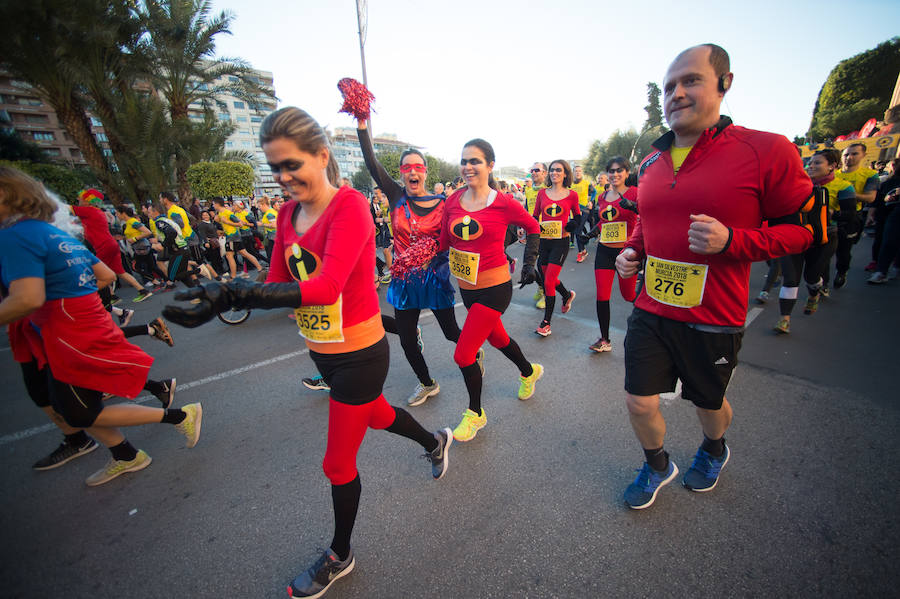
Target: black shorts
x=356 y=377
x=78 y=406
x=36 y=383
x=659 y=350
x=553 y=251
x=605 y=258
x=233 y=245
x=496 y=297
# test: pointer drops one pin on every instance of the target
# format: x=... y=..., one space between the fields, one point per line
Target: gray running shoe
x=423 y=392
x=440 y=457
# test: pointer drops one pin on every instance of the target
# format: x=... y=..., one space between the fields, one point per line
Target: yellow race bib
x=321 y=324
x=464 y=265
x=679 y=284
x=551 y=229
x=614 y=232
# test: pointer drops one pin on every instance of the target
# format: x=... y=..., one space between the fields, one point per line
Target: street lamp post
x=362 y=16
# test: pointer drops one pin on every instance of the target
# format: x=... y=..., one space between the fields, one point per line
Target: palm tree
x=186 y=73
x=35 y=43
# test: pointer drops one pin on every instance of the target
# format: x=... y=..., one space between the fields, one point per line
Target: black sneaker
x=440 y=457
x=316 y=383
x=125 y=317
x=840 y=279
x=315 y=581
x=64 y=453
x=167 y=395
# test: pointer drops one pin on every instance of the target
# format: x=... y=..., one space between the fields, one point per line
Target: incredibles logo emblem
x=553 y=210
x=301 y=263
x=609 y=213
x=466 y=228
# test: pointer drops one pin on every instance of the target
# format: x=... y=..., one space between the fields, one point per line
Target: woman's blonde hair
x=296 y=125
x=25 y=196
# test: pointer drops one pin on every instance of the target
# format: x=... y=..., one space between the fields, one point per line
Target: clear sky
x=542 y=79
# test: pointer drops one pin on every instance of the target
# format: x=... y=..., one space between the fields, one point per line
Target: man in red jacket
x=703 y=195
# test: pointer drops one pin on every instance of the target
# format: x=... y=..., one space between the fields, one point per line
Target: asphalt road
x=531 y=508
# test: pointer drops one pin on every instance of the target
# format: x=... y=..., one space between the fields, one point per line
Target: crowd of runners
x=680 y=254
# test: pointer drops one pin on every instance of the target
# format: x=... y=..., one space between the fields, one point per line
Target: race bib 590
x=551 y=229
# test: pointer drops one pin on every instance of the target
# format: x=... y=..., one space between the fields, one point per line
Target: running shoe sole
x=568 y=305
x=323 y=386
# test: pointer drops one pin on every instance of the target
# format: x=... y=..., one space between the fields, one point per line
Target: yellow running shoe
x=115 y=468
x=538 y=294
x=469 y=426
x=541 y=303
x=526 y=383
x=190 y=426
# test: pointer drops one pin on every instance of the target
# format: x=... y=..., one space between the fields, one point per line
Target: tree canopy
x=857 y=89
x=222 y=179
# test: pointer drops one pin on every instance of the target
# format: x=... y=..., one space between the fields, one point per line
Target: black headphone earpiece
x=724 y=83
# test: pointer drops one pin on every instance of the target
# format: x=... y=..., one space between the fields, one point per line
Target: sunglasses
x=535 y=170
x=613 y=171
x=472 y=161
x=408 y=168
x=556 y=170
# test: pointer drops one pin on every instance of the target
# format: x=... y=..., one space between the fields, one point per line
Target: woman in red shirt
x=474 y=228
x=322 y=267
x=617 y=209
x=554 y=208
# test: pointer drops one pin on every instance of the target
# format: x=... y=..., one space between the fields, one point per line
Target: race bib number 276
x=679 y=284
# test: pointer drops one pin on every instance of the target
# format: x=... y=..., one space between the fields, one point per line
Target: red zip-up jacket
x=738 y=176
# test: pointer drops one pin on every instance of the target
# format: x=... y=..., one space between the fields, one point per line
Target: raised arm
x=391 y=188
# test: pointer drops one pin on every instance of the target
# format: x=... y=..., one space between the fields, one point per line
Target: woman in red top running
x=617 y=210
x=322 y=266
x=554 y=209
x=474 y=229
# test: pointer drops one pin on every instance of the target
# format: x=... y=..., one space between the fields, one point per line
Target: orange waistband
x=488 y=278
x=356 y=337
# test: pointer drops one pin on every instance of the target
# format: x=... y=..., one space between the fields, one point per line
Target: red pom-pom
x=357 y=98
x=419 y=253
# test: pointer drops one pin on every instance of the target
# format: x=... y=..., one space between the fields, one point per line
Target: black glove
x=571 y=225
x=532 y=243
x=239 y=294
x=528 y=275
x=595 y=232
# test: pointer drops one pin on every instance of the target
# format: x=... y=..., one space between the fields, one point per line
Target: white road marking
x=5 y=439
x=751 y=316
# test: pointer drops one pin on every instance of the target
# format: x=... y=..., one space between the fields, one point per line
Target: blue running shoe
x=642 y=492
x=703 y=474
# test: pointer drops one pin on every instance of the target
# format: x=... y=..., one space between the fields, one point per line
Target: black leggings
x=812 y=265
x=147 y=267
x=404 y=324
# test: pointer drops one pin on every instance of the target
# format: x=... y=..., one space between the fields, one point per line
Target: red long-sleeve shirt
x=481 y=233
x=332 y=262
x=738 y=176
x=547 y=210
